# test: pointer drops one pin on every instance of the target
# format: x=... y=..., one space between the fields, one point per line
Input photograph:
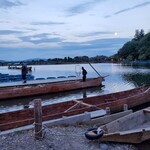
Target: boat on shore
x=133 y=128
x=115 y=101
x=32 y=88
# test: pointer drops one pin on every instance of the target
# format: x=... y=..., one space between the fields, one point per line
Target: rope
x=81 y=103
x=71 y=107
x=86 y=104
x=37 y=124
x=42 y=129
x=38 y=132
x=147 y=90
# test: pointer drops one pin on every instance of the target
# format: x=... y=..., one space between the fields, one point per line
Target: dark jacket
x=24 y=69
x=84 y=72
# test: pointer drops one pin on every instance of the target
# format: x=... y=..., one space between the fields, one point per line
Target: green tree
x=136 y=49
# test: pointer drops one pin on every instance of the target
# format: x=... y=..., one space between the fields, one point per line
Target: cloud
x=40 y=38
x=134 y=7
x=81 y=8
x=6 y=4
x=5 y=32
x=128 y=9
x=4 y=22
x=99 y=43
x=121 y=11
x=47 y=23
x=91 y=48
x=95 y=33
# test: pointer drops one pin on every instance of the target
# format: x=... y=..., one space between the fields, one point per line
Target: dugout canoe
x=133 y=128
x=46 y=87
x=114 y=101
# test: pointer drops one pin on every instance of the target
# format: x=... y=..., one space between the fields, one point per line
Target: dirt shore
x=57 y=138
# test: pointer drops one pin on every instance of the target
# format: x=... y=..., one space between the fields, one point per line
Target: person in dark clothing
x=84 y=73
x=24 y=72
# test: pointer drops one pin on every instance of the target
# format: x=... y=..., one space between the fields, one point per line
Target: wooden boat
x=133 y=128
x=14 y=78
x=115 y=101
x=47 y=86
x=19 y=67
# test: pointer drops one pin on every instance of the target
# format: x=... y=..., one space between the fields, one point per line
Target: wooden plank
x=147 y=110
x=38 y=119
x=108 y=118
x=97 y=113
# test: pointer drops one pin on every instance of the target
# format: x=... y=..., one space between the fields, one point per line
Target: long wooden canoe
x=115 y=101
x=133 y=128
x=44 y=87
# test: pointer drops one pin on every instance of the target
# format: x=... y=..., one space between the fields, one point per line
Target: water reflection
x=120 y=78
x=84 y=93
x=137 y=79
x=27 y=102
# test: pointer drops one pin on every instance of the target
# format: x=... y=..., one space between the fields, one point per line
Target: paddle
x=94 y=69
x=97 y=71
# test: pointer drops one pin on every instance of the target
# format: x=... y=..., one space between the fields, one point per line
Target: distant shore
x=48 y=63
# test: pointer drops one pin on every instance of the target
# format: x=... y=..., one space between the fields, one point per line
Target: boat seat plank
x=147 y=110
x=98 y=113
x=134 y=131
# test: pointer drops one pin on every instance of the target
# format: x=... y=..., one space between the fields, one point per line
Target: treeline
x=69 y=60
x=136 y=49
x=65 y=60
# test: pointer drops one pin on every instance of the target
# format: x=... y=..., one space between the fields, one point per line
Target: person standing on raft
x=84 y=73
x=24 y=72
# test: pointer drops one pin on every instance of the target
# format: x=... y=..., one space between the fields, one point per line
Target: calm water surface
x=119 y=78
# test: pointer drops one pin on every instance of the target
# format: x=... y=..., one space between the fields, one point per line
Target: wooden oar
x=97 y=71
x=94 y=69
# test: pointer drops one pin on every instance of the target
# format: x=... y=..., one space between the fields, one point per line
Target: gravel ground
x=57 y=138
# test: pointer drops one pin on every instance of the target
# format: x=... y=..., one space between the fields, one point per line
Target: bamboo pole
x=38 y=119
x=97 y=71
x=94 y=69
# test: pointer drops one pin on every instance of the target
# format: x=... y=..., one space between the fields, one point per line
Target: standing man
x=24 y=72
x=84 y=72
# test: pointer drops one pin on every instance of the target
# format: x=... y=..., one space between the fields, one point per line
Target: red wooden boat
x=46 y=86
x=115 y=101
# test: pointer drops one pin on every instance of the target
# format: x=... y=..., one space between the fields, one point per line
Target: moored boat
x=19 y=67
x=46 y=87
x=115 y=101
x=8 y=79
x=133 y=128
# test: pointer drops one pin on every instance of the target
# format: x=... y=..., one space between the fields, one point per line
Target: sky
x=68 y=28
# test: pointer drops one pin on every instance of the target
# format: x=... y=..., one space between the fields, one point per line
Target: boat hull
x=46 y=88
x=115 y=101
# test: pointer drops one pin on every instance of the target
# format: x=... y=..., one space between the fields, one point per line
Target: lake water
x=119 y=78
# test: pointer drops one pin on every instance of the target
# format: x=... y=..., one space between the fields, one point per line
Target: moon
x=115 y=33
